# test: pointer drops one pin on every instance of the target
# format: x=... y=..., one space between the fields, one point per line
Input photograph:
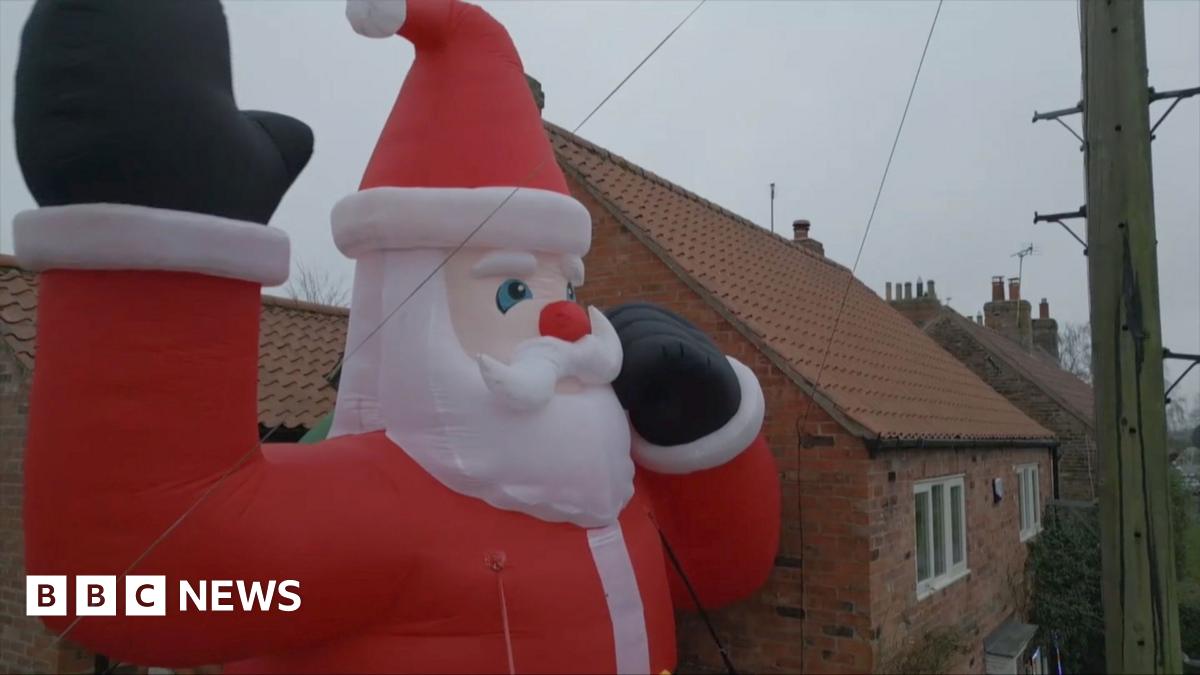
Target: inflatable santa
x=504 y=466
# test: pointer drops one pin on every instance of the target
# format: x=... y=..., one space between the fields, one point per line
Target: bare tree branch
x=312 y=284
x=1075 y=350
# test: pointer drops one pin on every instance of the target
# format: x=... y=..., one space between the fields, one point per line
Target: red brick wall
x=977 y=603
x=25 y=646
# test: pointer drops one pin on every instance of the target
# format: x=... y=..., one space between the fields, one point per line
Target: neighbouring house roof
x=882 y=372
x=299 y=345
x=1038 y=367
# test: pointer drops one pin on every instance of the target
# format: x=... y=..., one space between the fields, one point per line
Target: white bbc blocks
x=95 y=595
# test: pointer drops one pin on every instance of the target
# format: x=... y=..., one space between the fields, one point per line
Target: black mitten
x=675 y=383
x=131 y=102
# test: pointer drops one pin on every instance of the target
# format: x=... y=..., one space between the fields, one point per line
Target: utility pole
x=1140 y=615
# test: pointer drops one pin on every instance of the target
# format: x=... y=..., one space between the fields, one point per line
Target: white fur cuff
x=716 y=448
x=128 y=237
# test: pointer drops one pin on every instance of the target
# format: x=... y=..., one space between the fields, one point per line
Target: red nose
x=564 y=320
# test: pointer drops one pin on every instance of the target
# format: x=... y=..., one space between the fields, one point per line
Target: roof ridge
x=304 y=305
x=679 y=189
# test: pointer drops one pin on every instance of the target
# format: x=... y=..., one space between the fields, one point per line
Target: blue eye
x=510 y=293
x=571 y=291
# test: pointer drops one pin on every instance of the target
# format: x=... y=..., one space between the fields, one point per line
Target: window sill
x=935 y=585
x=1030 y=534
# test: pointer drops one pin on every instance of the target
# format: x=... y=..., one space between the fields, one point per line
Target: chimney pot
x=920 y=288
x=997 y=289
x=1014 y=288
x=908 y=290
x=979 y=318
x=800 y=229
x=1044 y=309
x=535 y=88
x=929 y=289
x=888 y=286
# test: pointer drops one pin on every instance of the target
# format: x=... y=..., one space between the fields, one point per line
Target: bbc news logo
x=146 y=595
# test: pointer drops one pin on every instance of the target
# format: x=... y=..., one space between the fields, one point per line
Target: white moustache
x=528 y=380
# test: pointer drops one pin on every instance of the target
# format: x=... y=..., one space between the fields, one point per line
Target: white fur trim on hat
x=376 y=18
x=128 y=237
x=526 y=219
x=716 y=448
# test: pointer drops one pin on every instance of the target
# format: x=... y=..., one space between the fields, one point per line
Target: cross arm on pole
x=1195 y=360
x=1059 y=217
x=1176 y=94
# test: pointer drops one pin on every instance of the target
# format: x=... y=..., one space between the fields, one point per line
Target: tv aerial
x=1026 y=250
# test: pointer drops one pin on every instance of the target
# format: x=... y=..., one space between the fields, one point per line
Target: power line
x=800 y=429
x=245 y=457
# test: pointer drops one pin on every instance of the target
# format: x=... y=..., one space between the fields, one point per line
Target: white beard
x=568 y=460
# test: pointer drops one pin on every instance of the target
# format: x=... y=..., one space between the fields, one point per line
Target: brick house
x=909 y=486
x=1018 y=356
x=895 y=425
x=299 y=346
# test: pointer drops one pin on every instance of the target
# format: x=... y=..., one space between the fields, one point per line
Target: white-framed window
x=940 y=506
x=1029 y=500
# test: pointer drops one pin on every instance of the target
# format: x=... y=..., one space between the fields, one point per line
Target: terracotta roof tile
x=18 y=305
x=299 y=345
x=1038 y=367
x=882 y=371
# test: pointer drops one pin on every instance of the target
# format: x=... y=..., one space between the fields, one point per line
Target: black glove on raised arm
x=131 y=102
x=675 y=383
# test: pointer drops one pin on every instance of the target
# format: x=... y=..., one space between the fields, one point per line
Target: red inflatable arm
x=144 y=396
x=722 y=524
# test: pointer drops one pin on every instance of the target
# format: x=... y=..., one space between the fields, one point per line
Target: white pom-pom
x=376 y=18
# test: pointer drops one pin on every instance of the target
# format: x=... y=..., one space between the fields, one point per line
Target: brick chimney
x=919 y=309
x=800 y=230
x=997 y=289
x=1045 y=330
x=1011 y=317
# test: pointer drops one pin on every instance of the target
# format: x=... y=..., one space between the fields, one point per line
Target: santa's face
x=515 y=312
x=497 y=297
x=498 y=384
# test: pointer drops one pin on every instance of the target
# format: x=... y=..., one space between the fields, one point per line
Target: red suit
x=144 y=396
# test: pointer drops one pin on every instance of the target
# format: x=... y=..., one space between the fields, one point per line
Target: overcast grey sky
x=805 y=94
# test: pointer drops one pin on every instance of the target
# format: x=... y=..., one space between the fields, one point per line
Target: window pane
x=956 y=528
x=939 y=529
x=922 y=550
x=1024 y=500
x=1036 y=502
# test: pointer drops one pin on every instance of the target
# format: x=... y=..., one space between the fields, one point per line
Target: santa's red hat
x=463 y=133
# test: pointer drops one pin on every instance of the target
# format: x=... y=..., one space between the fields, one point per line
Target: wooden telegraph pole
x=1140 y=616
